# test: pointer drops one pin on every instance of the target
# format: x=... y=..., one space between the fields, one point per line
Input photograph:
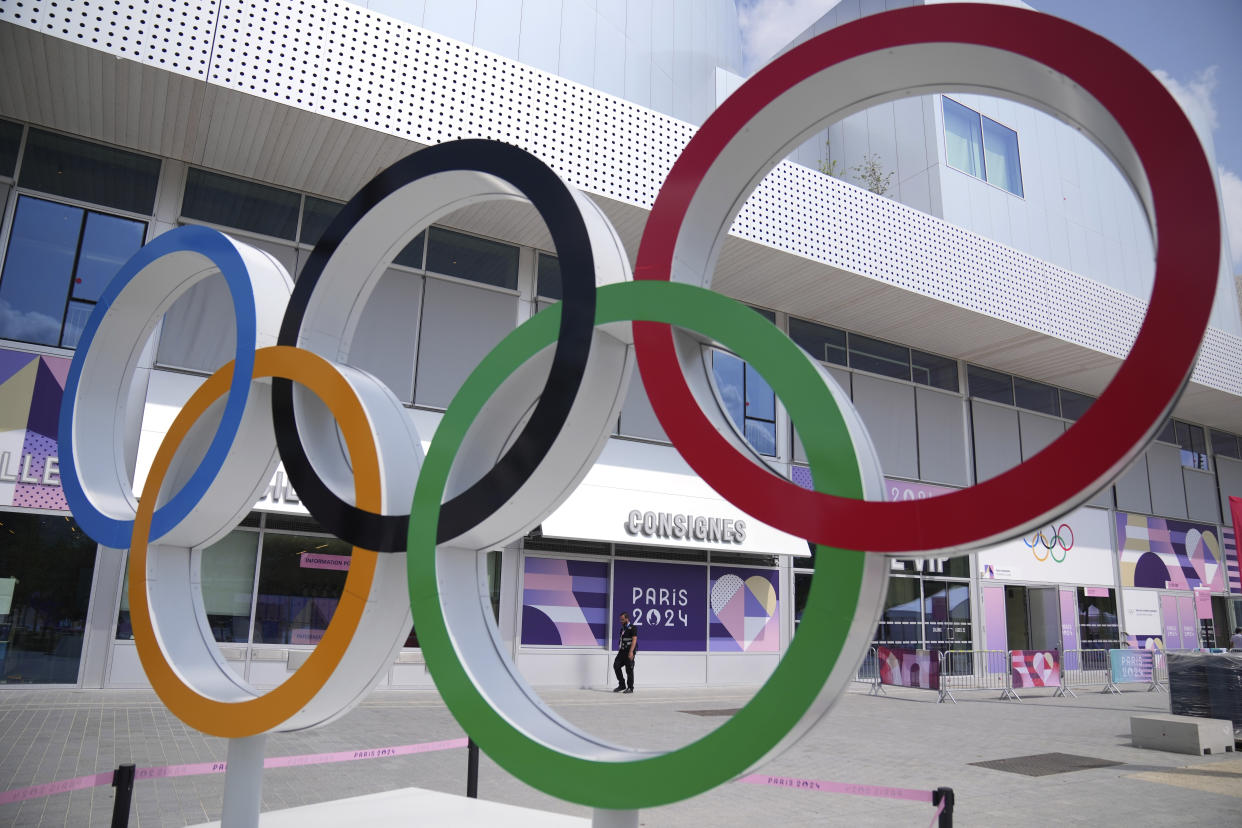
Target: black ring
x=560 y=212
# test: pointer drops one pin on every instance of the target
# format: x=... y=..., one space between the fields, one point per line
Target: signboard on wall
x=1142 y=618
x=1076 y=550
x=31 y=387
x=667 y=602
x=1158 y=553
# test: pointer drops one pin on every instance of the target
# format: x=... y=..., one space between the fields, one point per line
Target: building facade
x=971 y=312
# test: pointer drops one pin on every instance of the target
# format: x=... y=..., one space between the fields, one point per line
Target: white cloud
x=1196 y=96
x=767 y=25
x=1231 y=195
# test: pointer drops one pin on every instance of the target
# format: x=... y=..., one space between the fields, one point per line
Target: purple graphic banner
x=564 y=602
x=1158 y=553
x=1069 y=628
x=31 y=387
x=994 y=618
x=667 y=603
x=1131 y=665
x=1168 y=616
x=745 y=610
x=909 y=668
x=1034 y=668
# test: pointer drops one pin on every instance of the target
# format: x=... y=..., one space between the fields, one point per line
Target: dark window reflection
x=69 y=167
x=300 y=583
x=548 y=270
x=824 y=343
x=246 y=205
x=1097 y=620
x=10 y=141
x=473 y=258
x=989 y=385
x=46 y=564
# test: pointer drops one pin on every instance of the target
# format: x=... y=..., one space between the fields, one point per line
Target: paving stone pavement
x=902 y=740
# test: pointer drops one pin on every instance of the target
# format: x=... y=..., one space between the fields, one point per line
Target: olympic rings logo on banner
x=529 y=421
x=1051 y=543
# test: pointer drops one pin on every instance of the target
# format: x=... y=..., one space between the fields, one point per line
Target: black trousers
x=623 y=660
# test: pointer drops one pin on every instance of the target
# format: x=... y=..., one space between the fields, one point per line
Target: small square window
x=1226 y=445
x=933 y=370
x=472 y=257
x=1073 y=406
x=1035 y=396
x=879 y=357
x=10 y=141
x=548 y=272
x=246 y=205
x=86 y=171
x=989 y=385
x=824 y=343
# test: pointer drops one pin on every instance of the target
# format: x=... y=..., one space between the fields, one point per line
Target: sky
x=1191 y=45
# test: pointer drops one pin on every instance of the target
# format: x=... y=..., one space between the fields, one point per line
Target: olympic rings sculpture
x=528 y=423
x=1051 y=543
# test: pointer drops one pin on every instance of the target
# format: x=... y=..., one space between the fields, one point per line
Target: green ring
x=794 y=685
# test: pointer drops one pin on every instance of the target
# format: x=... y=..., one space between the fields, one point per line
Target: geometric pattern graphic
x=31 y=387
x=1035 y=668
x=745 y=614
x=564 y=602
x=909 y=668
x=1158 y=553
x=1229 y=540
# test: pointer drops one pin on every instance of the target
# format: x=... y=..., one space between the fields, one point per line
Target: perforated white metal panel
x=174 y=35
x=348 y=63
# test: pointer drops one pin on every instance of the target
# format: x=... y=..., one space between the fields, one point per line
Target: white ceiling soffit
x=321 y=95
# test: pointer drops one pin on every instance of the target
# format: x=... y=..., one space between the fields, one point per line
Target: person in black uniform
x=625 y=656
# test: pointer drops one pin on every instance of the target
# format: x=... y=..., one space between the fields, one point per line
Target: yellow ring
x=262 y=713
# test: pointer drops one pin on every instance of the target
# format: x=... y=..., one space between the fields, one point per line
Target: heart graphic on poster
x=743 y=608
x=1045 y=666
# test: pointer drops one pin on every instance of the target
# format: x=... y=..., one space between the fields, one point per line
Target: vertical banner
x=1203 y=604
x=1128 y=666
x=667 y=602
x=909 y=668
x=564 y=602
x=1190 y=624
x=745 y=610
x=1168 y=616
x=1069 y=628
x=997 y=636
x=1034 y=668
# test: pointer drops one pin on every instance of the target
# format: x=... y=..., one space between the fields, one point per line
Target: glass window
x=1097 y=620
x=246 y=205
x=933 y=370
x=60 y=258
x=1035 y=396
x=747 y=399
x=68 y=167
x=1000 y=151
x=1192 y=440
x=1167 y=433
x=228 y=584
x=802 y=588
x=10 y=141
x=963 y=138
x=946 y=605
x=548 y=271
x=46 y=566
x=824 y=343
x=981 y=147
x=1226 y=445
x=1073 y=406
x=412 y=254
x=879 y=357
x=473 y=258
x=300 y=583
x=317 y=214
x=989 y=385
x=901 y=622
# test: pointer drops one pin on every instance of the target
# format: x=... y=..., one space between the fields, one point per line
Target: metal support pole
x=944 y=795
x=243 y=782
x=472 y=769
x=123 y=781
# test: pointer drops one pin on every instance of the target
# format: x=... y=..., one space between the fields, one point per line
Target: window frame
x=983 y=143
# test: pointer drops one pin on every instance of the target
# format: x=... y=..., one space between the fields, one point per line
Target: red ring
x=1096 y=448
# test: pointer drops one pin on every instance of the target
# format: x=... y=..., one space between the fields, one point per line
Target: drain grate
x=726 y=711
x=1045 y=764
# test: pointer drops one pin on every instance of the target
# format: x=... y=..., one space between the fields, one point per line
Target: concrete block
x=1182 y=734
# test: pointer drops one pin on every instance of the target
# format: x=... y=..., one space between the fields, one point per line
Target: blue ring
x=221 y=252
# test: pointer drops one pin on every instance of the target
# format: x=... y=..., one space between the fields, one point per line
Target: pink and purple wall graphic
x=1229 y=539
x=1034 y=668
x=909 y=668
x=745 y=610
x=564 y=602
x=31 y=387
x=1157 y=553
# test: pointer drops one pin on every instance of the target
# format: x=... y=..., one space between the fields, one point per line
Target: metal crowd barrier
x=974 y=670
x=1086 y=668
x=869 y=673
